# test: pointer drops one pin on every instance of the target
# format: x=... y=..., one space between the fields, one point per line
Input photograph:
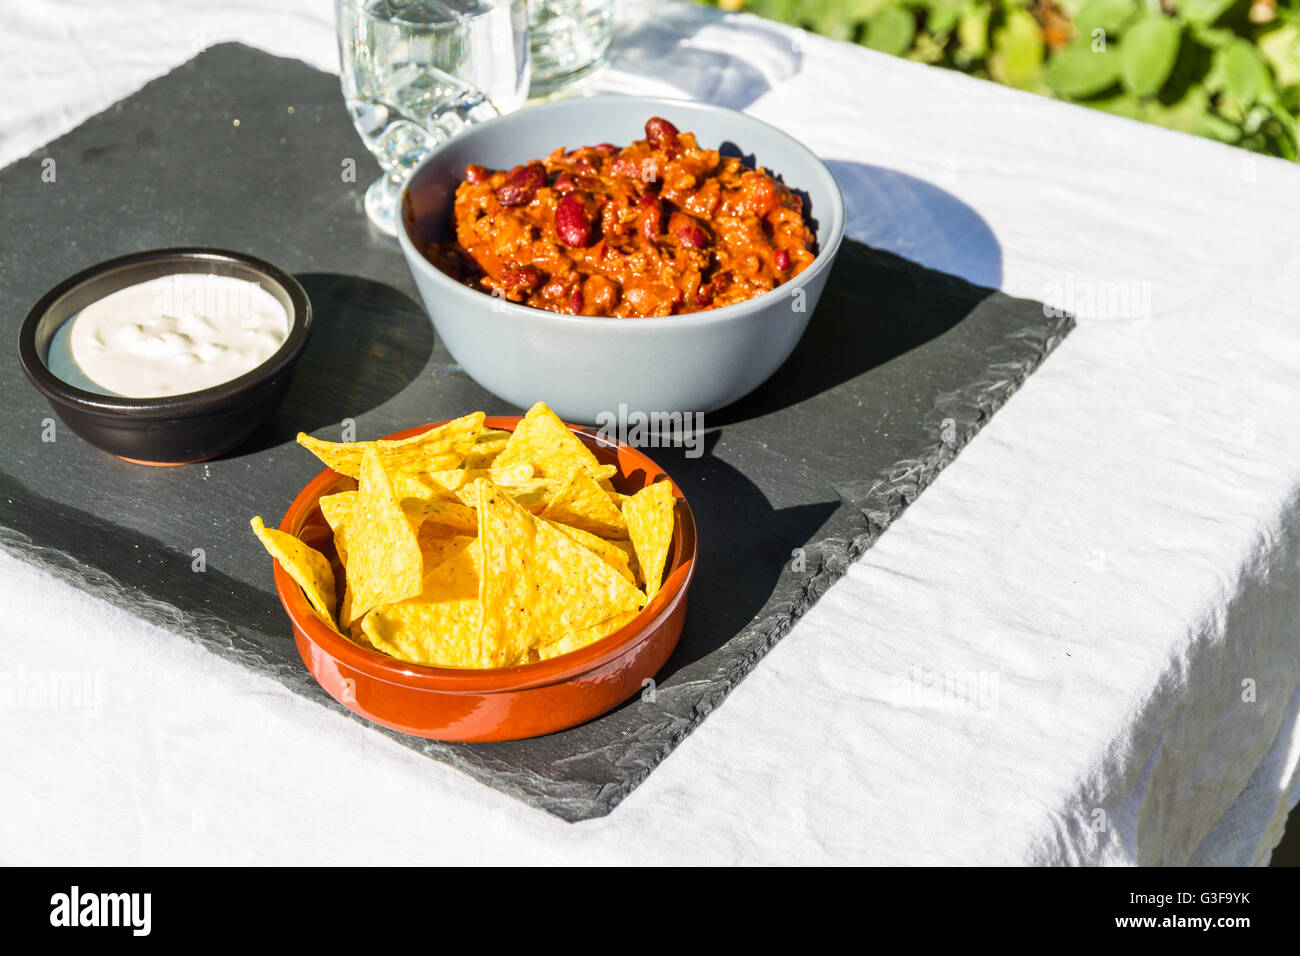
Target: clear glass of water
x=416 y=72
x=569 y=39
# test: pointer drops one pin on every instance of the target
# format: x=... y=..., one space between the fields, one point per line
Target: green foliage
x=1017 y=58
x=1148 y=52
x=892 y=30
x=1078 y=71
x=1228 y=70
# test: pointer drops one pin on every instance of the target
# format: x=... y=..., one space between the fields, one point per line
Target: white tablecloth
x=1079 y=645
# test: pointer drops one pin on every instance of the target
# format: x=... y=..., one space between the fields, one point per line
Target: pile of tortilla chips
x=470 y=547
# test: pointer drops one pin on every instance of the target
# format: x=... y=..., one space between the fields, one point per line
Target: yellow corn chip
x=543 y=441
x=429 y=486
x=439 y=626
x=533 y=494
x=491 y=442
x=431 y=536
x=453 y=514
x=580 y=639
x=337 y=509
x=607 y=551
x=537 y=583
x=345 y=611
x=512 y=474
x=434 y=450
x=309 y=569
x=440 y=547
x=384 y=560
x=582 y=504
x=649 y=516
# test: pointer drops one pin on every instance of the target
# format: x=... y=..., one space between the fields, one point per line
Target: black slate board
x=900 y=367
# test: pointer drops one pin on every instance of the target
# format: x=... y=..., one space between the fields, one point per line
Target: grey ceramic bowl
x=583 y=366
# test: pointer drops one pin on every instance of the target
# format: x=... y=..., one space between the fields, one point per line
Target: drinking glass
x=416 y=72
x=569 y=39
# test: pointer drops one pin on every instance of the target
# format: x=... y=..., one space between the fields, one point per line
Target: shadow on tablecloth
x=664 y=46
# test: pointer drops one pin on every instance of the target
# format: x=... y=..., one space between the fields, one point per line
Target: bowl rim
x=825 y=256
x=183 y=403
x=557 y=670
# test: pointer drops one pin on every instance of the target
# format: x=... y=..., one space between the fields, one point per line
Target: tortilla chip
x=512 y=474
x=429 y=486
x=491 y=442
x=543 y=441
x=433 y=450
x=580 y=639
x=337 y=509
x=453 y=514
x=537 y=583
x=385 y=564
x=533 y=494
x=649 y=516
x=438 y=627
x=582 y=504
x=345 y=611
x=607 y=551
x=309 y=569
x=437 y=548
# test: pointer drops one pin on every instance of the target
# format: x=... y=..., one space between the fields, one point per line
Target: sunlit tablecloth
x=1079 y=645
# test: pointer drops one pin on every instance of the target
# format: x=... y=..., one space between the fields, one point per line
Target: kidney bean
x=687 y=231
x=476 y=174
x=572 y=224
x=662 y=134
x=521 y=185
x=564 y=184
x=781 y=259
x=704 y=298
x=575 y=300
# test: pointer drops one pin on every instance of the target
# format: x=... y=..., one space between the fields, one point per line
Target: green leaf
x=860 y=11
x=1213 y=37
x=1147 y=53
x=1077 y=72
x=1109 y=16
x=926 y=50
x=1017 y=58
x=1281 y=48
x=1125 y=104
x=973 y=30
x=942 y=16
x=891 y=31
x=1203 y=11
x=1183 y=115
x=831 y=23
x=1215 y=127
x=1246 y=75
x=787 y=11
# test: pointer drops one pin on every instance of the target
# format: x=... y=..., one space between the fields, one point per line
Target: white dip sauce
x=176 y=334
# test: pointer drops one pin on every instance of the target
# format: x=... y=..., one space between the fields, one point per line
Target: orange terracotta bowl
x=508 y=703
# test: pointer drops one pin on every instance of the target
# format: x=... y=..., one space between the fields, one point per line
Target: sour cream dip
x=170 y=335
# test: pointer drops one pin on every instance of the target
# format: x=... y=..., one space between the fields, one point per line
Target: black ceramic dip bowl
x=173 y=429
